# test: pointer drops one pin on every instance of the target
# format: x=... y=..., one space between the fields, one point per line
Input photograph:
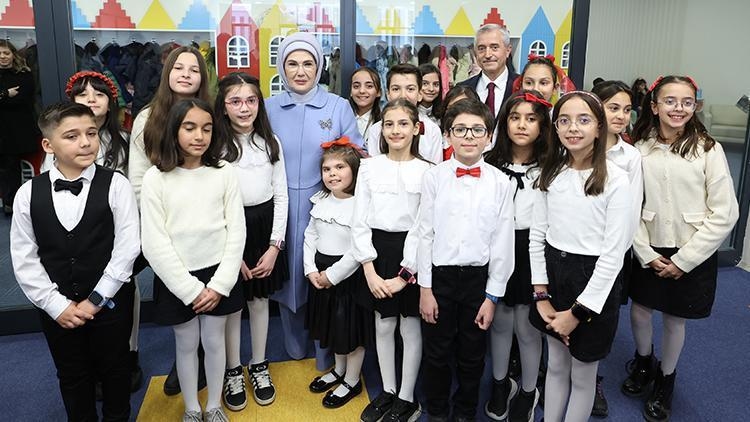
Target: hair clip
x=88 y=73
x=342 y=142
x=534 y=99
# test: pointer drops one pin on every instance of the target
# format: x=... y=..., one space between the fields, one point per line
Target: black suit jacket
x=474 y=80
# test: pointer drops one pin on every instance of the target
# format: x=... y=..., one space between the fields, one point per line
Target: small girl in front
x=255 y=153
x=334 y=317
x=518 y=152
x=689 y=208
x=365 y=99
x=385 y=210
x=580 y=228
x=193 y=232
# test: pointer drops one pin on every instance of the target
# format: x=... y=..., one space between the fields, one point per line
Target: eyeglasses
x=307 y=66
x=671 y=103
x=563 y=123
x=237 y=102
x=462 y=131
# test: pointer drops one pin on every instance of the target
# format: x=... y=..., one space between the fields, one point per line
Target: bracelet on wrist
x=407 y=276
x=540 y=296
x=581 y=313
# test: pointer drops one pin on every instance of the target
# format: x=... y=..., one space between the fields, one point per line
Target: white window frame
x=538 y=47
x=275 y=86
x=238 y=52
x=273 y=50
x=565 y=59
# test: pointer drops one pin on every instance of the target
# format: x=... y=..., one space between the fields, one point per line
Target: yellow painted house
x=562 y=42
x=156 y=18
x=460 y=24
x=276 y=25
x=391 y=23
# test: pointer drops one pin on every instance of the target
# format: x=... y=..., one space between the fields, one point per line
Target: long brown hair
x=557 y=155
x=349 y=154
x=375 y=114
x=261 y=126
x=19 y=63
x=413 y=113
x=167 y=148
x=164 y=99
x=695 y=134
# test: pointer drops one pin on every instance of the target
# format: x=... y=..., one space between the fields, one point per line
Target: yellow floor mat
x=294 y=402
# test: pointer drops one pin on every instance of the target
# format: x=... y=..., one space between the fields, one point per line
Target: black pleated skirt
x=334 y=317
x=259 y=223
x=171 y=311
x=390 y=249
x=568 y=275
x=691 y=296
x=519 y=290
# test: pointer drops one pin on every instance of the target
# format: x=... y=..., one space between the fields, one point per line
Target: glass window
x=273 y=50
x=565 y=59
x=238 y=52
x=276 y=87
x=538 y=48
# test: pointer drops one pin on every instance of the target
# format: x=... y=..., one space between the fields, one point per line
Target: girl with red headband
x=689 y=208
x=523 y=129
x=542 y=75
x=334 y=317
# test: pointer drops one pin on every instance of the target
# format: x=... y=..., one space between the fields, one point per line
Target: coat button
x=563 y=254
x=70 y=236
x=72 y=260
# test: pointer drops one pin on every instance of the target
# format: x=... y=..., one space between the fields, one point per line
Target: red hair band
x=533 y=56
x=529 y=97
x=344 y=142
x=90 y=74
x=660 y=78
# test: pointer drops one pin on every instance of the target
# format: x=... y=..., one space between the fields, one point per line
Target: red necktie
x=491 y=97
x=473 y=172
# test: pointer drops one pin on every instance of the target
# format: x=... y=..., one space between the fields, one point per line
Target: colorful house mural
x=79 y=19
x=494 y=17
x=460 y=25
x=363 y=25
x=17 y=13
x=562 y=42
x=275 y=25
x=319 y=15
x=198 y=17
x=537 y=38
x=156 y=18
x=237 y=48
x=390 y=24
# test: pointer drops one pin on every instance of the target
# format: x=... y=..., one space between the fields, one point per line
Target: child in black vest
x=74 y=238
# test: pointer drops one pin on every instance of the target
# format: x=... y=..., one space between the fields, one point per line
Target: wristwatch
x=407 y=276
x=581 y=313
x=491 y=298
x=278 y=243
x=540 y=296
x=97 y=299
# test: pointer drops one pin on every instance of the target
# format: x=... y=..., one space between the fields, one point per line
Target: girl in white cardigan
x=193 y=235
x=689 y=208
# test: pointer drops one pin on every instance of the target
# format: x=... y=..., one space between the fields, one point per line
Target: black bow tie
x=514 y=175
x=74 y=187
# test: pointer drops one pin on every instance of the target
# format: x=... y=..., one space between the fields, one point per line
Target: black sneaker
x=235 y=398
x=403 y=411
x=521 y=409
x=503 y=392
x=172 y=383
x=601 y=408
x=378 y=407
x=264 y=392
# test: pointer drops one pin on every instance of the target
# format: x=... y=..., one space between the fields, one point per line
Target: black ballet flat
x=332 y=401
x=319 y=386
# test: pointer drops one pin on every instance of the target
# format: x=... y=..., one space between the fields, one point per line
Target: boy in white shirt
x=466 y=255
x=405 y=81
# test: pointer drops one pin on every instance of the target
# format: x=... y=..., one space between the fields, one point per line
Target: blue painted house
x=426 y=24
x=538 y=37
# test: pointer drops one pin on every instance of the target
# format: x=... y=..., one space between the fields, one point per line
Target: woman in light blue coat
x=303 y=117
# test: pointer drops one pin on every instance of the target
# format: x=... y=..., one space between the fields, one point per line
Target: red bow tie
x=474 y=172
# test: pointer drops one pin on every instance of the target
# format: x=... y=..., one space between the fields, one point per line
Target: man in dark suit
x=495 y=83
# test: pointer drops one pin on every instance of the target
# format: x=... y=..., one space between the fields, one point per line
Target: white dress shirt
x=523 y=199
x=571 y=221
x=689 y=204
x=628 y=158
x=69 y=208
x=260 y=180
x=329 y=232
x=364 y=123
x=430 y=143
x=387 y=198
x=138 y=161
x=466 y=221
x=193 y=219
x=500 y=82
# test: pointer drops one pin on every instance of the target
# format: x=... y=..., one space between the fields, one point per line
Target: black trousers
x=459 y=292
x=10 y=177
x=97 y=350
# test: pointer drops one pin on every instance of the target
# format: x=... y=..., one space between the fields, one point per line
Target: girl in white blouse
x=580 y=229
x=523 y=131
x=334 y=317
x=193 y=234
x=386 y=203
x=689 y=208
x=255 y=152
x=365 y=99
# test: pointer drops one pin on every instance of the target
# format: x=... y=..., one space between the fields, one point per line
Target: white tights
x=673 y=335
x=258 y=318
x=385 y=343
x=508 y=320
x=208 y=330
x=569 y=382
